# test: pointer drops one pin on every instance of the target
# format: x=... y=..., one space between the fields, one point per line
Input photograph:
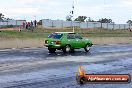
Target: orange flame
x=81 y=71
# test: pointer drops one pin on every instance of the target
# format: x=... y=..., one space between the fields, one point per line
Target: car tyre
x=72 y=51
x=67 y=49
x=51 y=50
x=87 y=48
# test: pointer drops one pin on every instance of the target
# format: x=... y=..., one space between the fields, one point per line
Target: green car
x=67 y=42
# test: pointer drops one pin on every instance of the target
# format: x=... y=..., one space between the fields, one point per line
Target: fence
x=62 y=24
x=11 y=22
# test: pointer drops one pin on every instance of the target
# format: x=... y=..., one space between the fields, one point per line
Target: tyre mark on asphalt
x=60 y=80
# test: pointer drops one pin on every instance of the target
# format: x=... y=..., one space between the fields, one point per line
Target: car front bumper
x=53 y=46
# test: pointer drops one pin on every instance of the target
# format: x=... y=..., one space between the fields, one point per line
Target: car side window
x=70 y=36
x=78 y=36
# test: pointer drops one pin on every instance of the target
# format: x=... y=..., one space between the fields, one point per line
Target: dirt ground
x=39 y=42
x=21 y=43
x=15 y=28
x=111 y=40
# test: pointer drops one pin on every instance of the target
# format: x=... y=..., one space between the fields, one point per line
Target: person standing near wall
x=23 y=25
x=35 y=23
x=32 y=26
x=29 y=25
x=26 y=25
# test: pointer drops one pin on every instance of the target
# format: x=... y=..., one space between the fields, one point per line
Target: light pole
x=72 y=12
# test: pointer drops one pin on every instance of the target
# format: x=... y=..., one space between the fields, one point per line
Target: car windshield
x=55 y=35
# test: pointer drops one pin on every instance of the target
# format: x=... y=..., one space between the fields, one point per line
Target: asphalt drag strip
x=31 y=68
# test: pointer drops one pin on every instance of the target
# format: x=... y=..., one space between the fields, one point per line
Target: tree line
x=2 y=18
x=83 y=19
x=88 y=19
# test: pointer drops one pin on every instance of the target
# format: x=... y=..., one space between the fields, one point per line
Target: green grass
x=43 y=33
x=22 y=34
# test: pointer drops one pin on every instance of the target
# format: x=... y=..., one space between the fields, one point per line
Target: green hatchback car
x=67 y=42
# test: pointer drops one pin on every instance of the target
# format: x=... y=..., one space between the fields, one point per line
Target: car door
x=79 y=41
x=71 y=40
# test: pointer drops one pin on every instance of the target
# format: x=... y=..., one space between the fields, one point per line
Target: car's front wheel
x=87 y=48
x=51 y=50
x=67 y=49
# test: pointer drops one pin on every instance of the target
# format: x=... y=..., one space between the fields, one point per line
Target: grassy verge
x=22 y=34
x=43 y=33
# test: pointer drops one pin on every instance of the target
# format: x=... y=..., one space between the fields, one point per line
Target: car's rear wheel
x=51 y=50
x=72 y=51
x=67 y=49
x=87 y=48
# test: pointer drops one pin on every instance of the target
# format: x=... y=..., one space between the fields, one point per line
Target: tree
x=8 y=19
x=105 y=20
x=1 y=17
x=129 y=22
x=90 y=20
x=81 y=18
x=69 y=18
x=39 y=23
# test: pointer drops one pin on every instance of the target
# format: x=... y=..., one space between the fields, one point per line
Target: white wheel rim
x=88 y=48
x=67 y=48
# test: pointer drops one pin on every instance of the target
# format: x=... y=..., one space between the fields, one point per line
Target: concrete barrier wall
x=62 y=24
x=12 y=22
x=21 y=43
x=28 y=43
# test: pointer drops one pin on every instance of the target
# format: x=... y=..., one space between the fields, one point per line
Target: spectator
x=35 y=23
x=23 y=25
x=32 y=27
x=26 y=25
x=130 y=30
x=29 y=25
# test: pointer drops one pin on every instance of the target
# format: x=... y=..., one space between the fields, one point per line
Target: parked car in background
x=67 y=42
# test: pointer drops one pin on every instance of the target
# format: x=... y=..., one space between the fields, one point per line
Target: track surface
x=36 y=68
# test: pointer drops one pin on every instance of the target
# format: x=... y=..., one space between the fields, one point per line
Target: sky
x=120 y=11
